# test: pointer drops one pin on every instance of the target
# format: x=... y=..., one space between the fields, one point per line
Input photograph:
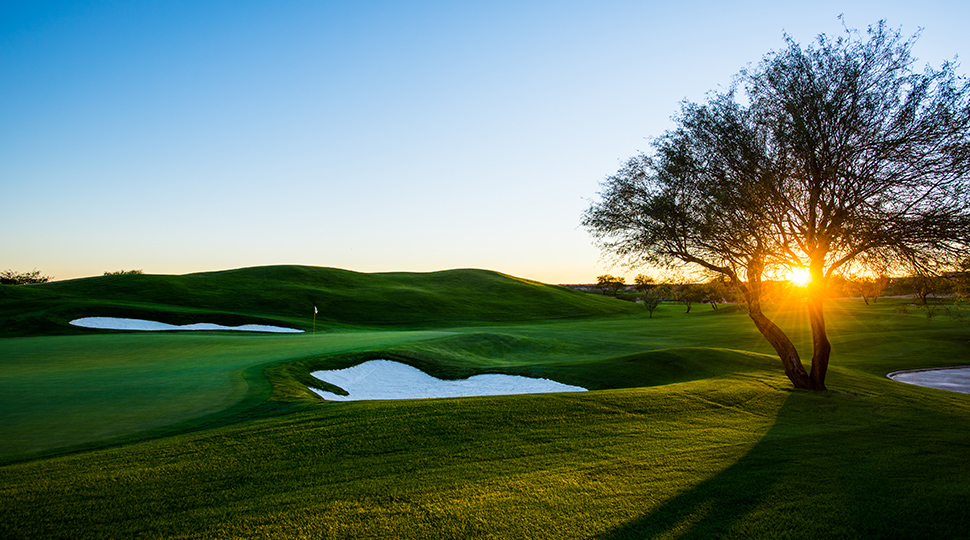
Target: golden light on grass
x=799 y=276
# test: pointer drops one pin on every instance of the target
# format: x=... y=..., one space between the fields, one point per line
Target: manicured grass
x=737 y=457
x=63 y=391
x=286 y=295
x=691 y=431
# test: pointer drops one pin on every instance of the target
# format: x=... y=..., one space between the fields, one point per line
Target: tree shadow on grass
x=714 y=507
x=821 y=473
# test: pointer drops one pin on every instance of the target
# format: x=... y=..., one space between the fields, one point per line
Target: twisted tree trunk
x=775 y=335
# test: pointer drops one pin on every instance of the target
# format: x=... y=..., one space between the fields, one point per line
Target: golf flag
x=314 y=310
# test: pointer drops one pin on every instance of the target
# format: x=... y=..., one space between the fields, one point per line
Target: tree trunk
x=821 y=348
x=775 y=336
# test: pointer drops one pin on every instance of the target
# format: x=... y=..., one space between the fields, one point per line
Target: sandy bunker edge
x=142 y=325
x=387 y=379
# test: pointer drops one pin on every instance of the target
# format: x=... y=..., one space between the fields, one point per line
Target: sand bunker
x=113 y=323
x=384 y=379
x=955 y=379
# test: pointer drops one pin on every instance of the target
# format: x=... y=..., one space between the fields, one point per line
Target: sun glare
x=799 y=276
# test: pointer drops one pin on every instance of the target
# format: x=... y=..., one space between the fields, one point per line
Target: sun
x=799 y=276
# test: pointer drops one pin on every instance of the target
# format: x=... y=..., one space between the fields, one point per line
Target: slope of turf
x=738 y=456
x=62 y=392
x=286 y=295
x=59 y=392
x=691 y=431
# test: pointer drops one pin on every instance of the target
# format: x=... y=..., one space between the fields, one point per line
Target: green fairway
x=63 y=391
x=690 y=429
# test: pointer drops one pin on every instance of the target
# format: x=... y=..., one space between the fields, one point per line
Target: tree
x=611 y=284
x=842 y=157
x=867 y=287
x=653 y=297
x=923 y=286
x=652 y=294
x=644 y=283
x=9 y=277
x=714 y=291
x=960 y=280
x=691 y=293
x=878 y=286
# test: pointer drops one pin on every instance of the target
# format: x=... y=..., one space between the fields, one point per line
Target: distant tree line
x=648 y=291
x=11 y=277
x=929 y=292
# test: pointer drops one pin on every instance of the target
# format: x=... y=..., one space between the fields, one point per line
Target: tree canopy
x=835 y=157
x=610 y=284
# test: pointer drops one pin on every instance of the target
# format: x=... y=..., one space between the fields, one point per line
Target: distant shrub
x=123 y=272
x=9 y=277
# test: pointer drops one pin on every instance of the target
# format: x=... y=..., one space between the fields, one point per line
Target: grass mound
x=286 y=295
x=660 y=367
x=457 y=357
x=691 y=430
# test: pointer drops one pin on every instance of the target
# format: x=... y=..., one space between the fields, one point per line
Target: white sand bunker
x=384 y=379
x=954 y=379
x=113 y=323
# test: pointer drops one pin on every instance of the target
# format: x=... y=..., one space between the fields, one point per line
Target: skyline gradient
x=178 y=137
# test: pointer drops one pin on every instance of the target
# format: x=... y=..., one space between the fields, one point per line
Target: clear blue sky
x=181 y=136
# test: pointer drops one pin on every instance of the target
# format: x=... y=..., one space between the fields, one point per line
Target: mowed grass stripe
x=375 y=464
x=729 y=457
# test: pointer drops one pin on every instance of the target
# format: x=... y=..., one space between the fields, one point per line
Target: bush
x=123 y=272
x=9 y=277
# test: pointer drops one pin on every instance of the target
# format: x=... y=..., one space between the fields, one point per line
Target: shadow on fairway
x=820 y=472
x=714 y=507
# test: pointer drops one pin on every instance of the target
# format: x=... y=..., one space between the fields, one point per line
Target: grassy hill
x=285 y=295
x=690 y=429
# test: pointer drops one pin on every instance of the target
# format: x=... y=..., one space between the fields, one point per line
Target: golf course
x=688 y=428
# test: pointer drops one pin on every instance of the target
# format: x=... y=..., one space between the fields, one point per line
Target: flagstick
x=314 y=321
